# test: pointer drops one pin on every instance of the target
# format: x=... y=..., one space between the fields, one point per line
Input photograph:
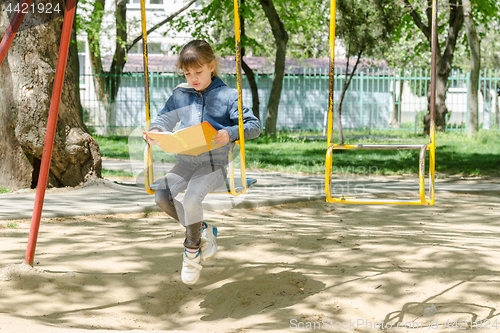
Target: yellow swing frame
x=235 y=186
x=423 y=148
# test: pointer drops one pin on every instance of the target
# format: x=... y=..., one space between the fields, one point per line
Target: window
x=153 y=48
x=136 y=3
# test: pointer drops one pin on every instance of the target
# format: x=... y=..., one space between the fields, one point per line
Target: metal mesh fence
x=375 y=99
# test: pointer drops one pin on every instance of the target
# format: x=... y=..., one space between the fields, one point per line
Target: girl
x=203 y=98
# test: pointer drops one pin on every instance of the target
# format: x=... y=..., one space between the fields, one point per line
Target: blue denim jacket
x=218 y=105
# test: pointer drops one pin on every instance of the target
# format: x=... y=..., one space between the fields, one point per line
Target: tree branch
x=416 y=18
x=456 y=21
x=279 y=31
x=348 y=82
x=156 y=26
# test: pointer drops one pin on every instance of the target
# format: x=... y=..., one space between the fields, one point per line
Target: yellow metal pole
x=329 y=153
x=232 y=188
x=432 y=130
x=240 y=100
x=421 y=175
x=148 y=176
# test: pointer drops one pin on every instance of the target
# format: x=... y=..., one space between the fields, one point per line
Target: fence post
x=495 y=96
x=375 y=105
x=497 y=100
x=398 y=100
x=292 y=93
x=483 y=82
x=360 y=86
x=467 y=80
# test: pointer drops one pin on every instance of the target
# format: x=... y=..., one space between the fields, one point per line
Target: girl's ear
x=212 y=66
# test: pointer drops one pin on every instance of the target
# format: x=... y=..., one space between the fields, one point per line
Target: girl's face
x=201 y=77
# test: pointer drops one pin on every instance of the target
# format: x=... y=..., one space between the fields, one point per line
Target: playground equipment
x=235 y=186
x=423 y=148
x=53 y=112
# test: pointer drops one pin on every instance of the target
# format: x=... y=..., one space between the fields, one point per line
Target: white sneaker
x=208 y=245
x=191 y=268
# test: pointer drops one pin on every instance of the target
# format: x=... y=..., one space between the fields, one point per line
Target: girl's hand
x=151 y=142
x=222 y=136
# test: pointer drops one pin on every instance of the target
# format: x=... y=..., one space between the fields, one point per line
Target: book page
x=193 y=140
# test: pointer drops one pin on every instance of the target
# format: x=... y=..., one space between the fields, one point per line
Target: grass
x=4 y=189
x=12 y=225
x=456 y=153
x=113 y=147
x=116 y=173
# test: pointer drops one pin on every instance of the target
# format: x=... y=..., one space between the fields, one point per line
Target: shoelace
x=192 y=263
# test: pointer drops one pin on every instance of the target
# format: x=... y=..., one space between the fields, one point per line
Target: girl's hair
x=195 y=54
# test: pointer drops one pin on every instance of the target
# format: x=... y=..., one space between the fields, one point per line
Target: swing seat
x=238 y=187
x=421 y=173
x=235 y=183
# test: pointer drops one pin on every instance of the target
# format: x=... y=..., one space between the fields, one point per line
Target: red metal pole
x=51 y=130
x=12 y=30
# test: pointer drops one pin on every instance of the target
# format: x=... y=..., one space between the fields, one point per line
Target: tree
x=475 y=57
x=25 y=93
x=407 y=52
x=444 y=53
x=280 y=39
x=477 y=16
x=364 y=27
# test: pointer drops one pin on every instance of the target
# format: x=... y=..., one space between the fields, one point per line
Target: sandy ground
x=303 y=267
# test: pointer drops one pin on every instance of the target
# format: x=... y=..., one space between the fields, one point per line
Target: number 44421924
x=41 y=8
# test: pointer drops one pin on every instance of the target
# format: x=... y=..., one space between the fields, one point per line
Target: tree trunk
x=280 y=39
x=25 y=94
x=347 y=83
x=107 y=85
x=253 y=87
x=118 y=62
x=475 y=60
x=98 y=77
x=339 y=114
x=441 y=91
x=444 y=60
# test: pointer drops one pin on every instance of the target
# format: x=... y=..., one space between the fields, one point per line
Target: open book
x=193 y=140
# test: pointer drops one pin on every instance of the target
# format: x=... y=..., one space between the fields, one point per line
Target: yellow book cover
x=193 y=140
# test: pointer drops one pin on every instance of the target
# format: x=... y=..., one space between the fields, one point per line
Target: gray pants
x=197 y=182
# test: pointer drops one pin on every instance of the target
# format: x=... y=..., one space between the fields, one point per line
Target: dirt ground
x=311 y=266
